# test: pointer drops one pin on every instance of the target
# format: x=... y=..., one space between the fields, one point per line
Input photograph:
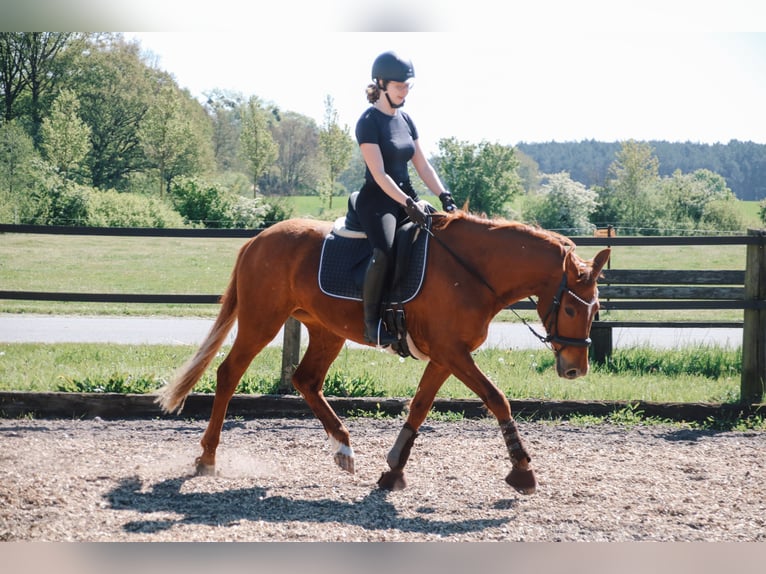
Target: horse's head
x=568 y=312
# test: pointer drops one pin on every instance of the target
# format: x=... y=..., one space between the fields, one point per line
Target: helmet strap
x=392 y=104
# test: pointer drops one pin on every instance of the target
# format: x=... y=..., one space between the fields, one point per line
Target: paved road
x=22 y=328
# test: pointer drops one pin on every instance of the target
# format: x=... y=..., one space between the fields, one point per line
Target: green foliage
x=209 y=204
x=63 y=204
x=276 y=210
x=762 y=211
x=257 y=146
x=484 y=174
x=201 y=202
x=249 y=385
x=172 y=141
x=519 y=374
x=337 y=147
x=116 y=383
x=115 y=89
x=113 y=209
x=341 y=384
x=563 y=205
x=631 y=199
x=65 y=137
x=709 y=362
x=740 y=164
x=17 y=160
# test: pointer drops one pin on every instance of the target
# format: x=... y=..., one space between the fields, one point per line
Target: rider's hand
x=416 y=213
x=448 y=204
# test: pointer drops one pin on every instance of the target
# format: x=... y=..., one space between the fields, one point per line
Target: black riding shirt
x=395 y=135
x=378 y=213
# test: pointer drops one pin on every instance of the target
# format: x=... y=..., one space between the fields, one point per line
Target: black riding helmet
x=389 y=66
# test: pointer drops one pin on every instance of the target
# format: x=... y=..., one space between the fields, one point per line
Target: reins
x=550 y=326
x=462 y=262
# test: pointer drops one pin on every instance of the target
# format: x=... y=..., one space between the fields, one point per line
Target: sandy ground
x=132 y=480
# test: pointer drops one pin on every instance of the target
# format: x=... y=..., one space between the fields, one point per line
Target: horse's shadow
x=373 y=512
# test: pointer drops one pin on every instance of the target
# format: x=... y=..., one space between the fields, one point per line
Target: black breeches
x=379 y=215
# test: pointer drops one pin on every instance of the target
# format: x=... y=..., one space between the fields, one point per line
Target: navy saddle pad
x=344 y=262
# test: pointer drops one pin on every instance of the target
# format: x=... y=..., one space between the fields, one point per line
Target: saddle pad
x=344 y=262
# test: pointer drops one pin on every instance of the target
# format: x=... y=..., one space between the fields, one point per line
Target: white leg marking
x=340 y=448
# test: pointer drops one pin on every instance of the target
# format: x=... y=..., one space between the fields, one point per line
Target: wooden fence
x=749 y=294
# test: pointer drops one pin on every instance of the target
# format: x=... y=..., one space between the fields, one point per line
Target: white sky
x=507 y=72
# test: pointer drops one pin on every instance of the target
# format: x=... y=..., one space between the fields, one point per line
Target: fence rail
x=744 y=290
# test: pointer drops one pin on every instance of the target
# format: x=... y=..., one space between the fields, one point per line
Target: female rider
x=388 y=140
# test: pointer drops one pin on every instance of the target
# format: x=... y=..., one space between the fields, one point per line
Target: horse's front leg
x=308 y=379
x=430 y=383
x=521 y=477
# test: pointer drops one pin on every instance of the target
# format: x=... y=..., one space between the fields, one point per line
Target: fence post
x=753 y=384
x=291 y=352
x=601 y=347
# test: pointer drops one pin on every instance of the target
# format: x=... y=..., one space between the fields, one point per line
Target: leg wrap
x=513 y=442
x=400 y=452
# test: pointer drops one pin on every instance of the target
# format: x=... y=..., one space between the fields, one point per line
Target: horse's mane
x=501 y=223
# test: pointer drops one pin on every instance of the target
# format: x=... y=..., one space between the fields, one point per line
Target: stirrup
x=382 y=337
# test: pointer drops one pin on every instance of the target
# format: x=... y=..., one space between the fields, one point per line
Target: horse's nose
x=572 y=373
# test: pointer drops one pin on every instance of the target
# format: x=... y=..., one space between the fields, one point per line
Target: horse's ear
x=599 y=261
x=572 y=263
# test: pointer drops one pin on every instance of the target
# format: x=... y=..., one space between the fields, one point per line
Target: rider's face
x=397 y=91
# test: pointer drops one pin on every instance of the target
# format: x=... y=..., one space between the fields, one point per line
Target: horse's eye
x=569 y=311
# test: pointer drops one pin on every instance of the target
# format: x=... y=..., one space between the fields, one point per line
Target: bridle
x=551 y=318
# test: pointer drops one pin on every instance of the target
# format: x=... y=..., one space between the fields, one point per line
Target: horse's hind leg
x=308 y=379
x=227 y=378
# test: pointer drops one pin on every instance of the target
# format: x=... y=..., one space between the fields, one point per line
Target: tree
x=483 y=175
x=43 y=68
x=630 y=197
x=257 y=145
x=225 y=111
x=170 y=141
x=115 y=89
x=65 y=138
x=336 y=145
x=19 y=165
x=12 y=80
x=564 y=205
x=298 y=165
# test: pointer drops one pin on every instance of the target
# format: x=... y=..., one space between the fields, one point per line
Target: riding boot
x=372 y=295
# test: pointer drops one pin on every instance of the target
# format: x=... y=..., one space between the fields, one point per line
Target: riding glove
x=448 y=204
x=416 y=213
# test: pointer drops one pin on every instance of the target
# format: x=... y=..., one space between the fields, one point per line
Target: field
x=202 y=266
x=191 y=265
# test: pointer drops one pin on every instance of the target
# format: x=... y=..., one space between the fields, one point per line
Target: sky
x=699 y=87
x=503 y=72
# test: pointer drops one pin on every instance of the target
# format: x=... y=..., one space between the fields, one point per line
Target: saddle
x=346 y=253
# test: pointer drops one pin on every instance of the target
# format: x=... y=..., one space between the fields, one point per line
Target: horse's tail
x=172 y=396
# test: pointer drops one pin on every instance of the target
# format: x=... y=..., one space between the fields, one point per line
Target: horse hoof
x=392 y=480
x=523 y=480
x=344 y=461
x=204 y=469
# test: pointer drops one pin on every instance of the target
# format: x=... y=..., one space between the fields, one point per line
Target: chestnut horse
x=475 y=268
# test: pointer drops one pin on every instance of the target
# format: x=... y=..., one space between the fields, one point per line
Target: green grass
x=708 y=375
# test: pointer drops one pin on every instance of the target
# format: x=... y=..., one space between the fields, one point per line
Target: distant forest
x=742 y=164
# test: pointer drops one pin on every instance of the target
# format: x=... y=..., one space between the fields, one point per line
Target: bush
x=275 y=211
x=201 y=202
x=114 y=209
x=64 y=204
